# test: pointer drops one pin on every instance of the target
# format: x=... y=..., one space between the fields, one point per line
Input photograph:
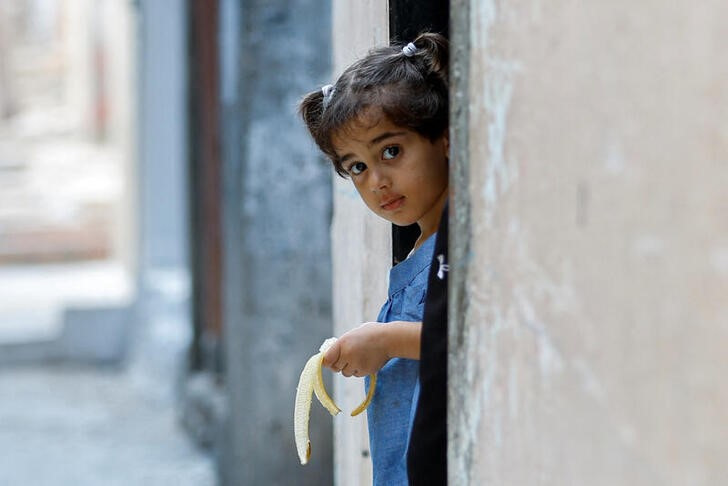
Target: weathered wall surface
x=277 y=207
x=589 y=326
x=361 y=248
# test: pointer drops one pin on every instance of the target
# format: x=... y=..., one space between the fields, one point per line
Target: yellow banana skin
x=311 y=381
x=318 y=385
x=363 y=406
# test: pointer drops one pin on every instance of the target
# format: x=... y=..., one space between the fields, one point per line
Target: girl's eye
x=390 y=152
x=357 y=168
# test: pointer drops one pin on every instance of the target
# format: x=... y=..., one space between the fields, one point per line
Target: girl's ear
x=446 y=139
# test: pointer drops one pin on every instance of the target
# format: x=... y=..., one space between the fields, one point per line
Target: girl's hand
x=365 y=349
x=359 y=352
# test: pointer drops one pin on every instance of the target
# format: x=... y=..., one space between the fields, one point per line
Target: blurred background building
x=66 y=148
x=163 y=240
x=89 y=358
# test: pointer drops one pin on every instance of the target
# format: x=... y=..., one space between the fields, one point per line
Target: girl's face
x=401 y=175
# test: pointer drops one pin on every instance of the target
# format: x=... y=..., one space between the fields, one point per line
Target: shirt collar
x=402 y=274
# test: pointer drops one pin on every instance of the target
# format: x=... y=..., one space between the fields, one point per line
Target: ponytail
x=433 y=49
x=311 y=109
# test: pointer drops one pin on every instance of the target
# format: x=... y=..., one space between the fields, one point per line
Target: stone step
x=55 y=244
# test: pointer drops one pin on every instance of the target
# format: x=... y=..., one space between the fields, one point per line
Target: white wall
x=361 y=247
x=119 y=25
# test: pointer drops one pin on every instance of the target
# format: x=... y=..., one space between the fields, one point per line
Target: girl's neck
x=431 y=221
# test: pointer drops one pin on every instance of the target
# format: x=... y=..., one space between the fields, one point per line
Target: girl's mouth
x=393 y=204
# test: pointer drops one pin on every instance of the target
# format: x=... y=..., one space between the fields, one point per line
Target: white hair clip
x=409 y=50
x=328 y=92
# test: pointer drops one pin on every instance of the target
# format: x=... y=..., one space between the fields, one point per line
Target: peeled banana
x=310 y=382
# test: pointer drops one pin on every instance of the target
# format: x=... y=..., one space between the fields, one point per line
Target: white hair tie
x=409 y=50
x=328 y=92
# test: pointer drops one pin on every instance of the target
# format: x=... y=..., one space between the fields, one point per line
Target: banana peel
x=311 y=382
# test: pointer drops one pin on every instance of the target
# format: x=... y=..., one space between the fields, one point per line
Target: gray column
x=162 y=134
x=277 y=208
x=162 y=321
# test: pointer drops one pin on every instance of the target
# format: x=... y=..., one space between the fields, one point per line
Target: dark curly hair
x=411 y=92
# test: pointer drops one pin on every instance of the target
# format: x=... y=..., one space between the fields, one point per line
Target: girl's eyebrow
x=384 y=136
x=374 y=141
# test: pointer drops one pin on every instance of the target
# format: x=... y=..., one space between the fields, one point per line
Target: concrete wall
x=162 y=135
x=158 y=194
x=361 y=249
x=277 y=262
x=589 y=318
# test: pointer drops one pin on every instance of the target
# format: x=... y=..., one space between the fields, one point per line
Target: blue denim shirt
x=389 y=416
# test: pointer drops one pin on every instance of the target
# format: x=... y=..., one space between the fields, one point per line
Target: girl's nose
x=379 y=180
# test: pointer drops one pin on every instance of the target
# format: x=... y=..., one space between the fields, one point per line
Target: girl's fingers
x=332 y=356
x=339 y=366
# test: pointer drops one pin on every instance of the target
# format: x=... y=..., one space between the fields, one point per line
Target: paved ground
x=89 y=426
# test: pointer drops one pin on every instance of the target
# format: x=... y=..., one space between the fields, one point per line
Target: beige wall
x=589 y=338
x=108 y=26
x=121 y=35
x=80 y=88
x=361 y=247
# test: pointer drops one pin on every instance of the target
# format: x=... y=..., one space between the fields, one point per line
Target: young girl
x=384 y=125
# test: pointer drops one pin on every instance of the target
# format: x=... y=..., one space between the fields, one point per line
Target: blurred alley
x=145 y=207
x=89 y=373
